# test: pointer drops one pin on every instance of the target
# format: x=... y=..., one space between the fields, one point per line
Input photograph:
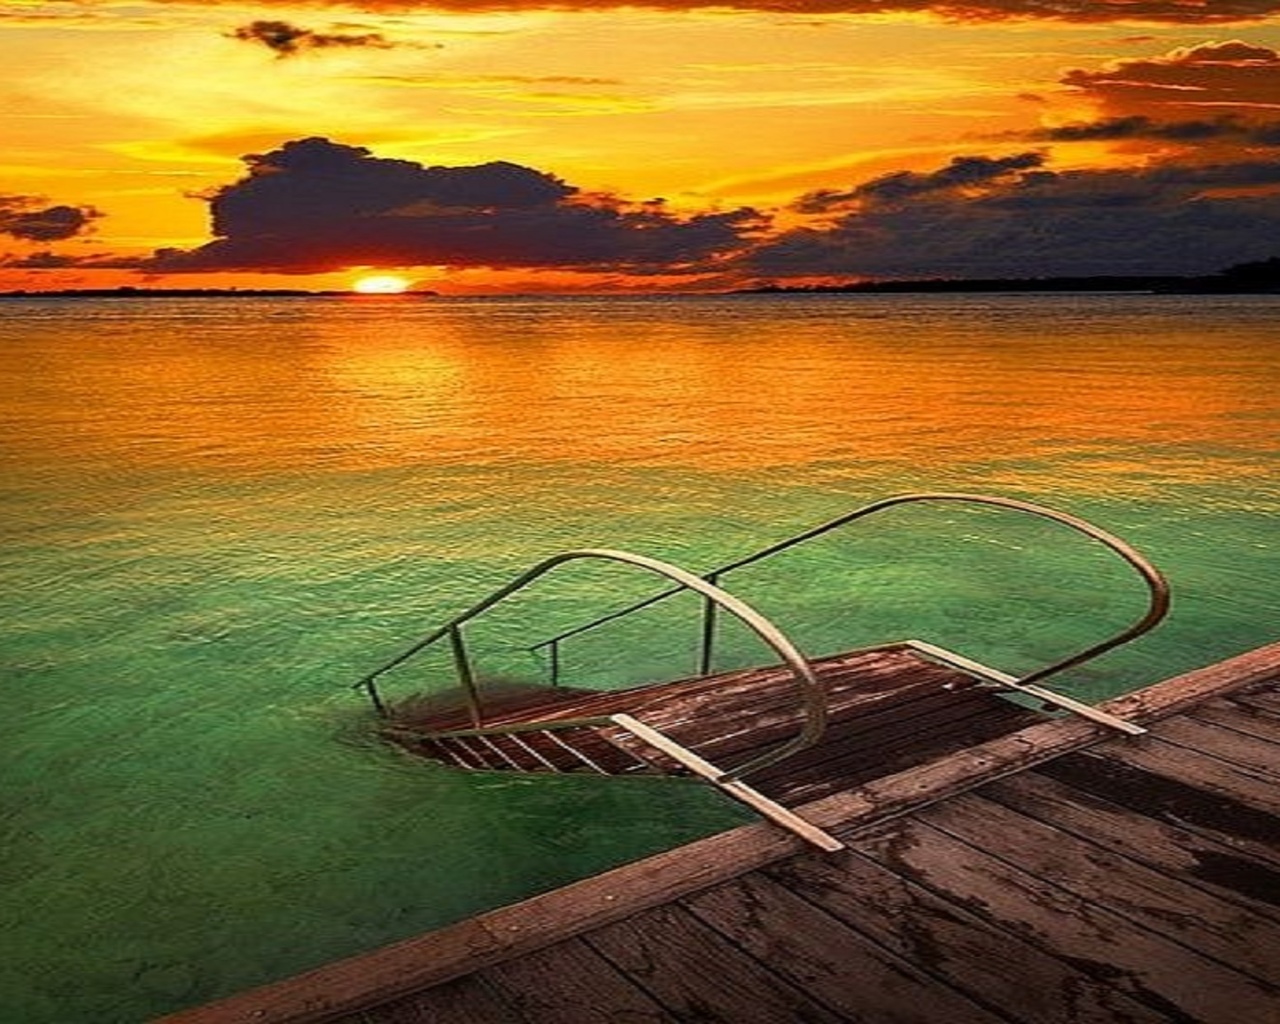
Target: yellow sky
x=132 y=108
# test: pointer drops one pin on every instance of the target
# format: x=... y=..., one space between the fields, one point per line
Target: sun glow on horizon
x=381 y=284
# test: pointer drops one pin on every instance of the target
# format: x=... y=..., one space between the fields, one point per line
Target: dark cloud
x=27 y=217
x=289 y=40
x=900 y=186
x=1138 y=126
x=1233 y=76
x=314 y=205
x=1034 y=222
x=44 y=260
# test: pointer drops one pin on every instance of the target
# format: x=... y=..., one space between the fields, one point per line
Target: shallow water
x=218 y=514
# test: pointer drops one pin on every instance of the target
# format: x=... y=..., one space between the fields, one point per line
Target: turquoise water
x=218 y=514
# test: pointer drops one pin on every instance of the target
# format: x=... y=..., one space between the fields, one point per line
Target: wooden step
x=888 y=708
x=583 y=749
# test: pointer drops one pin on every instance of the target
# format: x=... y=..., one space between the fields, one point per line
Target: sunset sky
x=474 y=147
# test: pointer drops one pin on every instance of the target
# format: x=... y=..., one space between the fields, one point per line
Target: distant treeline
x=131 y=292
x=1262 y=277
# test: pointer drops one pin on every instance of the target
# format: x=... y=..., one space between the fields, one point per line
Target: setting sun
x=381 y=284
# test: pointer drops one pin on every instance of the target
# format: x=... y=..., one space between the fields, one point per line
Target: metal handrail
x=1157 y=585
x=813 y=702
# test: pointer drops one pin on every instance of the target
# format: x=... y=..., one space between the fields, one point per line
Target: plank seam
x=1117 y=908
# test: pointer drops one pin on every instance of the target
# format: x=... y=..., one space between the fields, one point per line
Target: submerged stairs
x=887 y=708
x=801 y=729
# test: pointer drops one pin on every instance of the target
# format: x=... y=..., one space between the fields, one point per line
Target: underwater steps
x=887 y=709
x=800 y=729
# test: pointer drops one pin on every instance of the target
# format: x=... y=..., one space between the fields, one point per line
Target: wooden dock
x=1055 y=873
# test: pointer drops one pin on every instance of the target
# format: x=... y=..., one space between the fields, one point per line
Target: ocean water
x=219 y=514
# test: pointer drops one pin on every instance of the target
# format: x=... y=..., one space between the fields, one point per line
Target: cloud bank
x=1231 y=75
x=1012 y=217
x=314 y=205
x=1138 y=126
x=1192 y=185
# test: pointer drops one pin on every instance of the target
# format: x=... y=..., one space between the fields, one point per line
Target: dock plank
x=464 y=1001
x=762 y=712
x=1266 y=701
x=1245 y=751
x=700 y=976
x=767 y=716
x=1179 y=852
x=1105 y=947
x=947 y=939
x=850 y=763
x=1239 y=826
x=1164 y=904
x=570 y=981
x=831 y=961
x=1245 y=673
x=1197 y=769
x=1239 y=717
x=821 y=955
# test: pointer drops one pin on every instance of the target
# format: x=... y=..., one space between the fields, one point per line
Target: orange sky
x=866 y=140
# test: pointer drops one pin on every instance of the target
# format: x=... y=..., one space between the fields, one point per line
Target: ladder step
x=605 y=750
x=464 y=752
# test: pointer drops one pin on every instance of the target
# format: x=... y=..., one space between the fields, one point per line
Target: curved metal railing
x=813 y=703
x=1157 y=586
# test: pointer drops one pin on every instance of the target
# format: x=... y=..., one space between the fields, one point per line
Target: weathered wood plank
x=908 y=706
x=915 y=787
x=1245 y=672
x=1039 y=744
x=965 y=722
x=465 y=1001
x=1194 y=768
x=756 y=721
x=973 y=955
x=1103 y=945
x=819 y=954
x=570 y=981
x=1240 y=749
x=850 y=763
x=1180 y=852
x=418 y=963
x=698 y=975
x=1227 y=931
x=898 y=726
x=764 y=714
x=1240 y=827
x=1232 y=715
x=1265 y=701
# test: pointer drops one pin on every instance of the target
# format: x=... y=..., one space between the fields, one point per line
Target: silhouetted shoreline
x=995 y=284
x=130 y=292
x=1257 y=278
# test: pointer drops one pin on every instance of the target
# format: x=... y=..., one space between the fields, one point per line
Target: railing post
x=708 y=628
x=555 y=662
x=463 y=665
x=371 y=688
